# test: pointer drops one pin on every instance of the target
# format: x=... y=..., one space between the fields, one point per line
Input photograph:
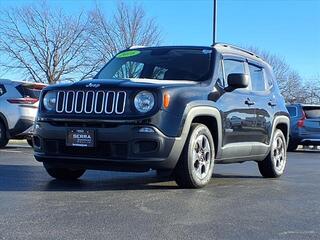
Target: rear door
x=264 y=99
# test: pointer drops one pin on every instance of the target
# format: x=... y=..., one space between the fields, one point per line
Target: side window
x=2 y=90
x=232 y=66
x=292 y=111
x=257 y=78
x=129 y=70
x=269 y=78
x=220 y=80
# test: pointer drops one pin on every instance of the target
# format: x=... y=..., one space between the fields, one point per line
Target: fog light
x=146 y=130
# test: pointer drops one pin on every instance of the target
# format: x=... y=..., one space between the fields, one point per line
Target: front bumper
x=118 y=147
x=22 y=129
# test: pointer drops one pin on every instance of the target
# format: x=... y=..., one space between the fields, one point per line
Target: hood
x=122 y=83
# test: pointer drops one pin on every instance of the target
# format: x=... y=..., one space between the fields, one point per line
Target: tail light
x=301 y=121
x=23 y=100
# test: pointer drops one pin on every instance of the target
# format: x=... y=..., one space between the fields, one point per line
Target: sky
x=288 y=28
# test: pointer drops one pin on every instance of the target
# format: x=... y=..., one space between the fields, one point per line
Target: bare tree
x=127 y=27
x=290 y=82
x=46 y=45
x=312 y=86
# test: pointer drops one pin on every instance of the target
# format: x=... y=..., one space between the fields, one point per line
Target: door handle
x=249 y=102
x=272 y=104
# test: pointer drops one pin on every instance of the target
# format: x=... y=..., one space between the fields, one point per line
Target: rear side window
x=257 y=78
x=312 y=112
x=30 y=90
x=292 y=111
x=2 y=90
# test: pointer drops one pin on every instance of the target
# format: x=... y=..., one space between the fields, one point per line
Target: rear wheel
x=3 y=135
x=63 y=173
x=195 y=166
x=274 y=164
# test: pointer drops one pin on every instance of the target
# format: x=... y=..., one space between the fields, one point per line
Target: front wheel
x=195 y=166
x=274 y=164
x=63 y=173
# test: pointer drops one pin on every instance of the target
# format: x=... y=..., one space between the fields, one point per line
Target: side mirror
x=237 y=80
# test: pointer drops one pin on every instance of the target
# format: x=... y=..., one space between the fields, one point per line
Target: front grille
x=89 y=102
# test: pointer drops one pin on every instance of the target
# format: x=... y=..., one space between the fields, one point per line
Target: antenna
x=214 y=22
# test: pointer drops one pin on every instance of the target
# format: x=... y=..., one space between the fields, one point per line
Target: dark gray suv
x=178 y=109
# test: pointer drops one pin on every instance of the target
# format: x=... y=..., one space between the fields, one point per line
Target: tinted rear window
x=292 y=111
x=312 y=112
x=30 y=90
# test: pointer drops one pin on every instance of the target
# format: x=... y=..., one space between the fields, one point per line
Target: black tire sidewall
x=3 y=138
x=63 y=173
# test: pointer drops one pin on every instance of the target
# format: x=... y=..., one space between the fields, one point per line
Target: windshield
x=160 y=64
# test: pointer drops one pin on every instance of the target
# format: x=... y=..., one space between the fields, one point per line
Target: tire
x=292 y=146
x=195 y=166
x=63 y=173
x=3 y=135
x=274 y=164
x=30 y=142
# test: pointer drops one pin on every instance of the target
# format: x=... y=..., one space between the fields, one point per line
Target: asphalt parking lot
x=237 y=204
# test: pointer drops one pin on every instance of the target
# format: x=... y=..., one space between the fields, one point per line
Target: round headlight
x=144 y=101
x=49 y=101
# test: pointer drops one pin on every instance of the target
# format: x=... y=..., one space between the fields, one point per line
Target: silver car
x=18 y=109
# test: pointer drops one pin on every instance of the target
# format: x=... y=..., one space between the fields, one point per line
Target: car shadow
x=34 y=178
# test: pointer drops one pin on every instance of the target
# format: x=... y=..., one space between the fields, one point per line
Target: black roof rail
x=238 y=48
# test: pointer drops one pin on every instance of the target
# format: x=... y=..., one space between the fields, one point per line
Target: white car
x=18 y=109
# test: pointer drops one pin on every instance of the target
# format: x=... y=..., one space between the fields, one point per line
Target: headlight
x=49 y=101
x=144 y=101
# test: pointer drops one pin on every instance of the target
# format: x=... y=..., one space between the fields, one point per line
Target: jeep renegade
x=179 y=109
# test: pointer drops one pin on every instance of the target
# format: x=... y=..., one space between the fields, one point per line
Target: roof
x=221 y=47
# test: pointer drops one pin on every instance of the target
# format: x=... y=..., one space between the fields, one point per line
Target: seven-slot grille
x=88 y=102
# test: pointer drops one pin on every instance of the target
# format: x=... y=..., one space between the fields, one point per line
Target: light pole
x=214 y=22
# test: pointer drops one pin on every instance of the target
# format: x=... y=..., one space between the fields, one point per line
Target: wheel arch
x=282 y=123
x=208 y=116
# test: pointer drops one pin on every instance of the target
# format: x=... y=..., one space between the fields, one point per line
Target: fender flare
x=280 y=120
x=203 y=111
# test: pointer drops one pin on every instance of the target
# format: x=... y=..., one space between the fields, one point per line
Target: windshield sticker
x=128 y=54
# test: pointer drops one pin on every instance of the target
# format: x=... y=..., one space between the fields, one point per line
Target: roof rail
x=237 y=48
